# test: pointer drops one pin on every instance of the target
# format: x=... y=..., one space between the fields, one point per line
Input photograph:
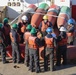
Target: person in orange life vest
x=33 y=52
x=15 y=39
x=2 y=45
x=61 y=46
x=50 y=43
x=71 y=31
x=22 y=27
x=6 y=31
x=44 y=25
x=27 y=34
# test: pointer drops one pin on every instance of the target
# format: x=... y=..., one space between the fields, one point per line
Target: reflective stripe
x=32 y=43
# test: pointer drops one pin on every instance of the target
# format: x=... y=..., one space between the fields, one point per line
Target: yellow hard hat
x=45 y=17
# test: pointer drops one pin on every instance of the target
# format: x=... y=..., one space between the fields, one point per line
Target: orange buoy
x=52 y=13
x=64 y=15
x=37 y=18
x=32 y=6
x=62 y=19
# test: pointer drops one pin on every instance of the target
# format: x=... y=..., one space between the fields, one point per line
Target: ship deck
x=21 y=69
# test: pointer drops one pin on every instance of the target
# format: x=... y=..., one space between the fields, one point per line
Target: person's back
x=33 y=51
x=71 y=31
x=49 y=51
x=22 y=27
x=15 y=43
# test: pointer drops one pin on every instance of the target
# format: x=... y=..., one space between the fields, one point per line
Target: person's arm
x=58 y=39
x=14 y=34
x=40 y=26
x=37 y=42
x=50 y=24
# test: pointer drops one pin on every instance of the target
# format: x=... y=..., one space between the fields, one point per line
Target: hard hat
x=63 y=29
x=29 y=27
x=33 y=30
x=1 y=25
x=49 y=29
x=45 y=17
x=15 y=26
x=24 y=17
x=71 y=21
x=5 y=20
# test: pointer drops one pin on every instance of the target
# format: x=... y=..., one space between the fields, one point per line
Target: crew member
x=27 y=34
x=71 y=31
x=33 y=51
x=15 y=39
x=50 y=44
x=44 y=25
x=61 y=47
x=6 y=31
x=22 y=27
x=2 y=45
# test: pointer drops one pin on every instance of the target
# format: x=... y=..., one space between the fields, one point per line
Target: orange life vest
x=49 y=42
x=23 y=28
x=44 y=26
x=32 y=43
x=12 y=39
x=63 y=42
x=26 y=35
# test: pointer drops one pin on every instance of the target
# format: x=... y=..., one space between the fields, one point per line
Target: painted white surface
x=3 y=3
x=62 y=2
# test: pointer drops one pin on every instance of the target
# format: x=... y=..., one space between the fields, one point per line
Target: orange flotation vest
x=22 y=28
x=27 y=35
x=32 y=43
x=44 y=26
x=12 y=39
x=49 y=42
x=63 y=42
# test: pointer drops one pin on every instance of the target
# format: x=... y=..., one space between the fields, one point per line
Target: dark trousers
x=26 y=54
x=49 y=55
x=7 y=40
x=3 y=53
x=15 y=52
x=21 y=36
x=34 y=60
x=61 y=52
x=44 y=33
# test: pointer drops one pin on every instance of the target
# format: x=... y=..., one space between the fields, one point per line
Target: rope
x=35 y=13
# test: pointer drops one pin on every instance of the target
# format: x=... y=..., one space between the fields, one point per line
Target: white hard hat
x=63 y=29
x=24 y=17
